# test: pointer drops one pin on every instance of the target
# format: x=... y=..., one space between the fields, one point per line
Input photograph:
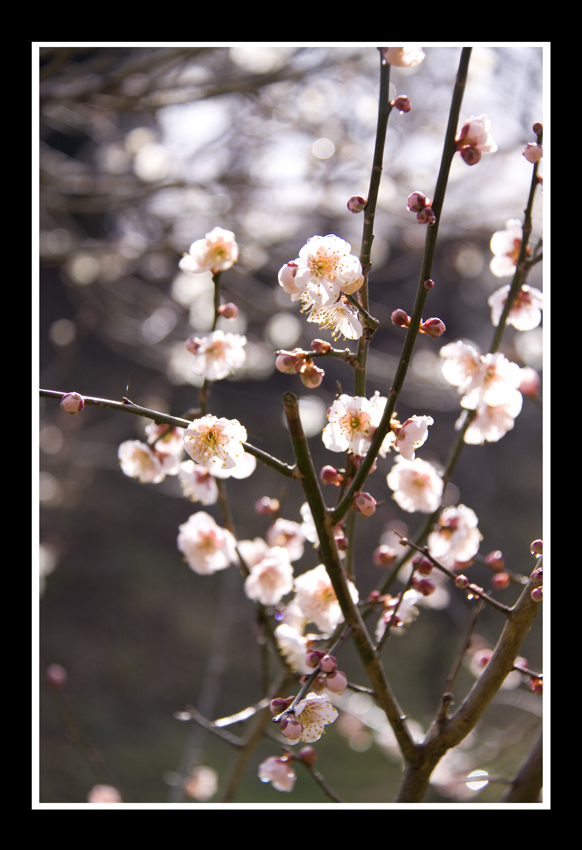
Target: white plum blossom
x=340 y=317
x=352 y=424
x=417 y=485
x=496 y=383
x=215 y=443
x=403 y=57
x=279 y=772
x=294 y=647
x=138 y=460
x=463 y=364
x=217 y=355
x=505 y=246
x=245 y=467
x=207 y=547
x=412 y=435
x=288 y=534
x=197 y=483
x=271 y=578
x=456 y=538
x=492 y=422
x=314 y=713
x=217 y=252
x=323 y=271
x=316 y=598
x=253 y=551
x=308 y=528
x=526 y=311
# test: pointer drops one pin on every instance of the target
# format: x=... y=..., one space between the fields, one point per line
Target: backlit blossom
x=403 y=57
x=496 y=383
x=412 y=435
x=104 y=794
x=314 y=713
x=323 y=271
x=202 y=784
x=417 y=485
x=215 y=442
x=308 y=528
x=340 y=317
x=463 y=364
x=294 y=647
x=475 y=135
x=526 y=312
x=207 y=547
x=505 y=245
x=352 y=425
x=217 y=355
x=316 y=598
x=137 y=460
x=197 y=483
x=216 y=252
x=492 y=422
x=288 y=534
x=271 y=578
x=456 y=538
x=245 y=467
x=279 y=772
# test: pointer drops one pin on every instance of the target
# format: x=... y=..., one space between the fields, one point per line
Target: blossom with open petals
x=463 y=364
x=279 y=772
x=495 y=384
x=323 y=271
x=316 y=598
x=417 y=485
x=215 y=443
x=340 y=317
x=197 y=483
x=505 y=246
x=271 y=578
x=456 y=537
x=352 y=424
x=217 y=355
x=412 y=435
x=294 y=647
x=138 y=460
x=492 y=421
x=314 y=713
x=288 y=534
x=216 y=252
x=526 y=311
x=475 y=139
x=403 y=57
x=207 y=547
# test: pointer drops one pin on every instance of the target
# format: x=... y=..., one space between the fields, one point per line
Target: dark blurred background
x=143 y=150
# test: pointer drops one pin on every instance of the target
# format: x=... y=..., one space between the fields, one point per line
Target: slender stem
x=421 y=292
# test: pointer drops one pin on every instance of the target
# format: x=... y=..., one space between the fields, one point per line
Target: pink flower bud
x=266 y=506
x=538 y=128
x=471 y=156
x=330 y=475
x=336 y=682
x=495 y=560
x=384 y=556
x=308 y=755
x=500 y=580
x=537 y=547
x=537 y=685
x=228 y=311
x=424 y=567
x=433 y=327
x=426 y=216
x=537 y=576
x=320 y=346
x=533 y=152
x=428 y=284
x=365 y=504
x=311 y=375
x=192 y=346
x=402 y=103
x=426 y=586
x=72 y=403
x=287 y=362
x=417 y=201
x=356 y=203
x=291 y=728
x=279 y=704
x=537 y=594
x=328 y=664
x=313 y=658
x=400 y=318
x=56 y=676
x=462 y=582
x=530 y=382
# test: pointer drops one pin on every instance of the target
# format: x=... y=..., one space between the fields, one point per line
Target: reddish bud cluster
x=330 y=475
x=297 y=360
x=422 y=206
x=402 y=103
x=537 y=685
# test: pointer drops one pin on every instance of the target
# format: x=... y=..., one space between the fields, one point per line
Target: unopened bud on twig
x=356 y=203
x=426 y=216
x=365 y=504
x=400 y=318
x=417 y=201
x=533 y=152
x=402 y=103
x=72 y=403
x=433 y=327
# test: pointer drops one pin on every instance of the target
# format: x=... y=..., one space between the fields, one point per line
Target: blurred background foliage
x=143 y=150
